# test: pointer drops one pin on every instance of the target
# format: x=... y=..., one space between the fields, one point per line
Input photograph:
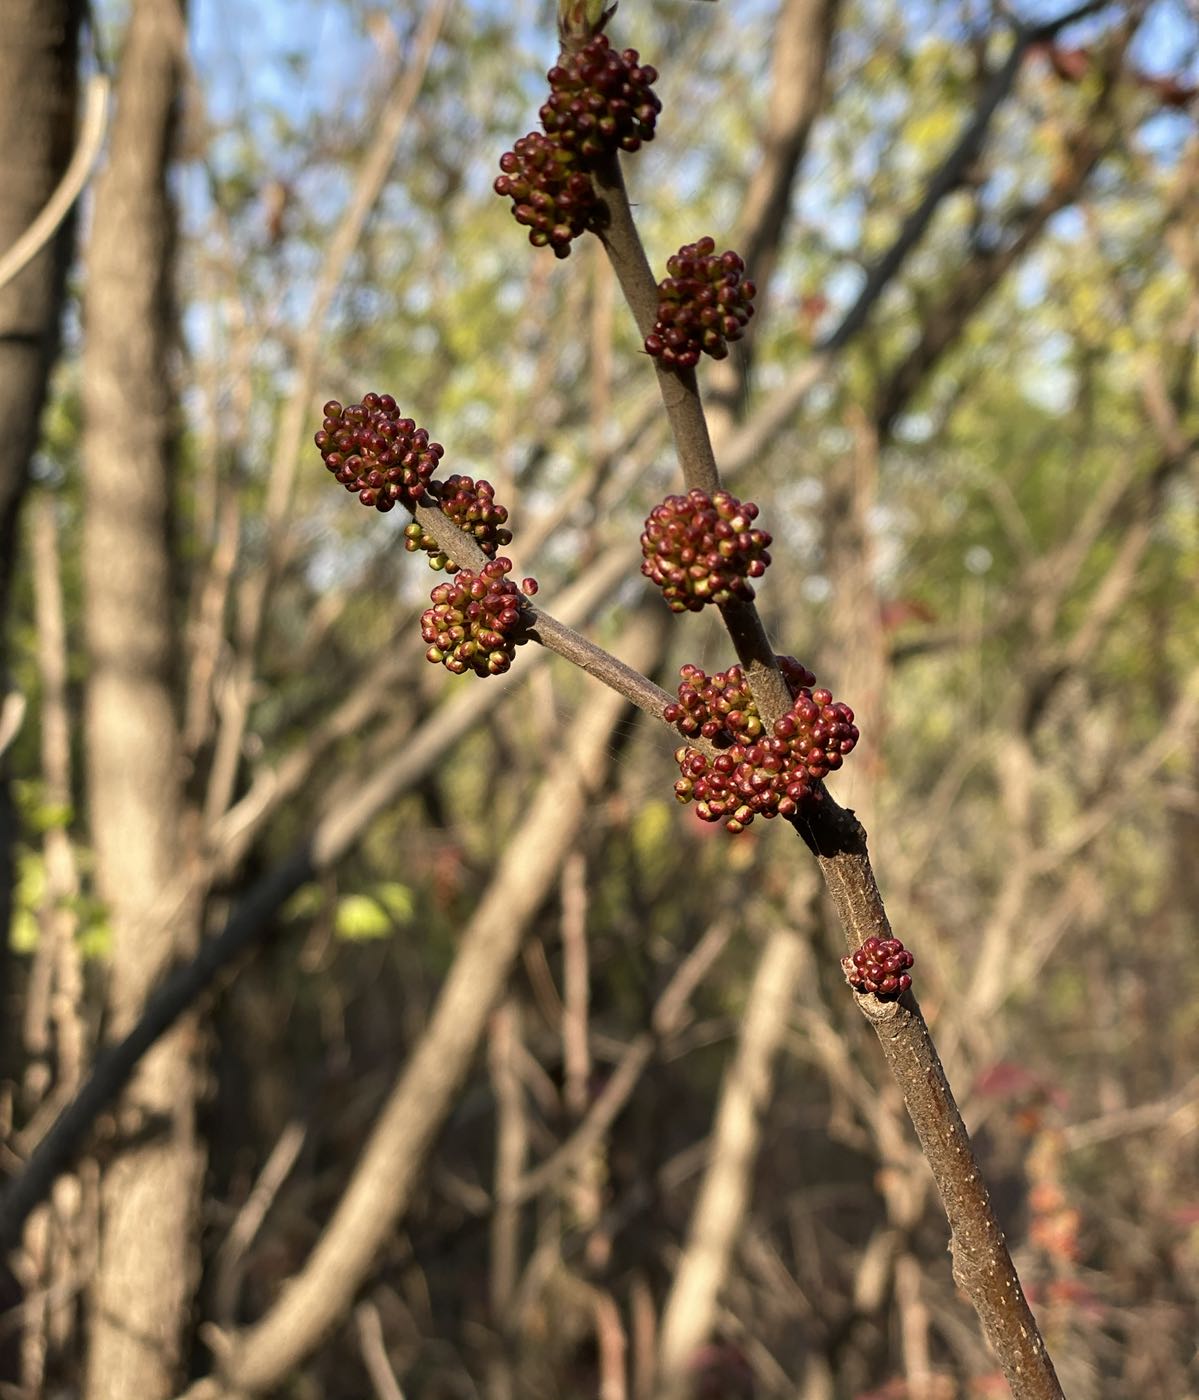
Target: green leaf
x=398 y=900
x=31 y=880
x=25 y=932
x=360 y=918
x=305 y=903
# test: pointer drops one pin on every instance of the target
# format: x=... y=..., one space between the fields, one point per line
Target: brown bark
x=38 y=89
x=147 y=1251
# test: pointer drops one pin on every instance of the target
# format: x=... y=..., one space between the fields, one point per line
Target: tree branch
x=982 y=1264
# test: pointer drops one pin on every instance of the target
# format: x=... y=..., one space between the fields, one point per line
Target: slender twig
x=949 y=173
x=685 y=410
x=679 y=388
x=593 y=659
x=69 y=188
x=668 y=1016
x=230 y=1258
x=374 y=1352
x=541 y=627
x=982 y=1264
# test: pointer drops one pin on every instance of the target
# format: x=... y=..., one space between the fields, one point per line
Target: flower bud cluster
x=472 y=506
x=705 y=302
x=376 y=452
x=600 y=101
x=756 y=772
x=703 y=549
x=721 y=708
x=475 y=623
x=880 y=966
x=552 y=196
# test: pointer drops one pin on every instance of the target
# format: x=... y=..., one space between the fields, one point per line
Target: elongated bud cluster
x=475 y=623
x=703 y=549
x=880 y=966
x=704 y=303
x=373 y=450
x=472 y=506
x=601 y=101
x=758 y=772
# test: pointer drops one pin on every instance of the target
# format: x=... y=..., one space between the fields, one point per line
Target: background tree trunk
x=38 y=88
x=146 y=1273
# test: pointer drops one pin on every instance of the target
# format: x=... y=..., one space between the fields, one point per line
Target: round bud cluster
x=703 y=304
x=376 y=452
x=880 y=966
x=601 y=101
x=475 y=621
x=552 y=196
x=756 y=772
x=703 y=549
x=471 y=505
